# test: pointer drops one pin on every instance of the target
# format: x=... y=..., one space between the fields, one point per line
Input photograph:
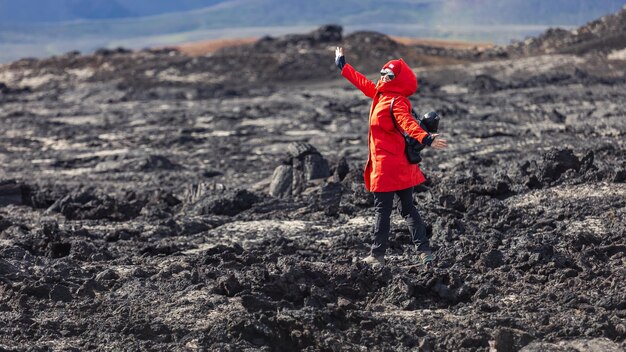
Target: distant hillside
x=603 y=35
x=46 y=27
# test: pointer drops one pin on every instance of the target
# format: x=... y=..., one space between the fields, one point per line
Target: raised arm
x=355 y=77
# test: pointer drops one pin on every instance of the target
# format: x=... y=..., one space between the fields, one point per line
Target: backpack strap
x=393 y=118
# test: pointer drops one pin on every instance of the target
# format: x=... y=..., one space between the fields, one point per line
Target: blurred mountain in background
x=46 y=27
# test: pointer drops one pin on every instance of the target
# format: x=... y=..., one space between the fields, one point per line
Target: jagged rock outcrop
x=303 y=164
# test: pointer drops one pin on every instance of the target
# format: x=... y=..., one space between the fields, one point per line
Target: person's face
x=386 y=75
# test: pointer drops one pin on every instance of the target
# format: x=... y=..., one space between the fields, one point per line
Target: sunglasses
x=387 y=72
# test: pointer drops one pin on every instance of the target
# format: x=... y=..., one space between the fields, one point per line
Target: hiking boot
x=374 y=261
x=426 y=257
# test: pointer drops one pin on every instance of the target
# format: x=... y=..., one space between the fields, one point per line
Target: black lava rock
x=304 y=163
x=511 y=340
x=485 y=84
x=493 y=259
x=89 y=204
x=231 y=202
x=157 y=162
x=556 y=162
x=60 y=293
x=11 y=192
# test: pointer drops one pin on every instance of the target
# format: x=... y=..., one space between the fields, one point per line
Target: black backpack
x=412 y=147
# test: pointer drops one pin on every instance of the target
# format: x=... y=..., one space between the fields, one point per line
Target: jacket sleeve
x=402 y=112
x=358 y=80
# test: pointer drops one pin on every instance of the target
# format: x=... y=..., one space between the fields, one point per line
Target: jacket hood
x=405 y=82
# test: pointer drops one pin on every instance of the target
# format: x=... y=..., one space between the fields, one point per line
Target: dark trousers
x=383 y=203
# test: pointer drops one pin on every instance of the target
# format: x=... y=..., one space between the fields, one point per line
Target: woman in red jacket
x=388 y=171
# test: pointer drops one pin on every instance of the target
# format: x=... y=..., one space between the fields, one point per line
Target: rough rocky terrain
x=154 y=201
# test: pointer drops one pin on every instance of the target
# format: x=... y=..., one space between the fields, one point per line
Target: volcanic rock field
x=154 y=201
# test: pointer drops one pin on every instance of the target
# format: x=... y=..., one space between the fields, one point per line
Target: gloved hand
x=340 y=60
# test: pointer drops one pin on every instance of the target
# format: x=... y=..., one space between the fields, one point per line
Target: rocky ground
x=153 y=201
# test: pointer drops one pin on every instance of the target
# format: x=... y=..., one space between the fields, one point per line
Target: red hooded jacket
x=388 y=168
